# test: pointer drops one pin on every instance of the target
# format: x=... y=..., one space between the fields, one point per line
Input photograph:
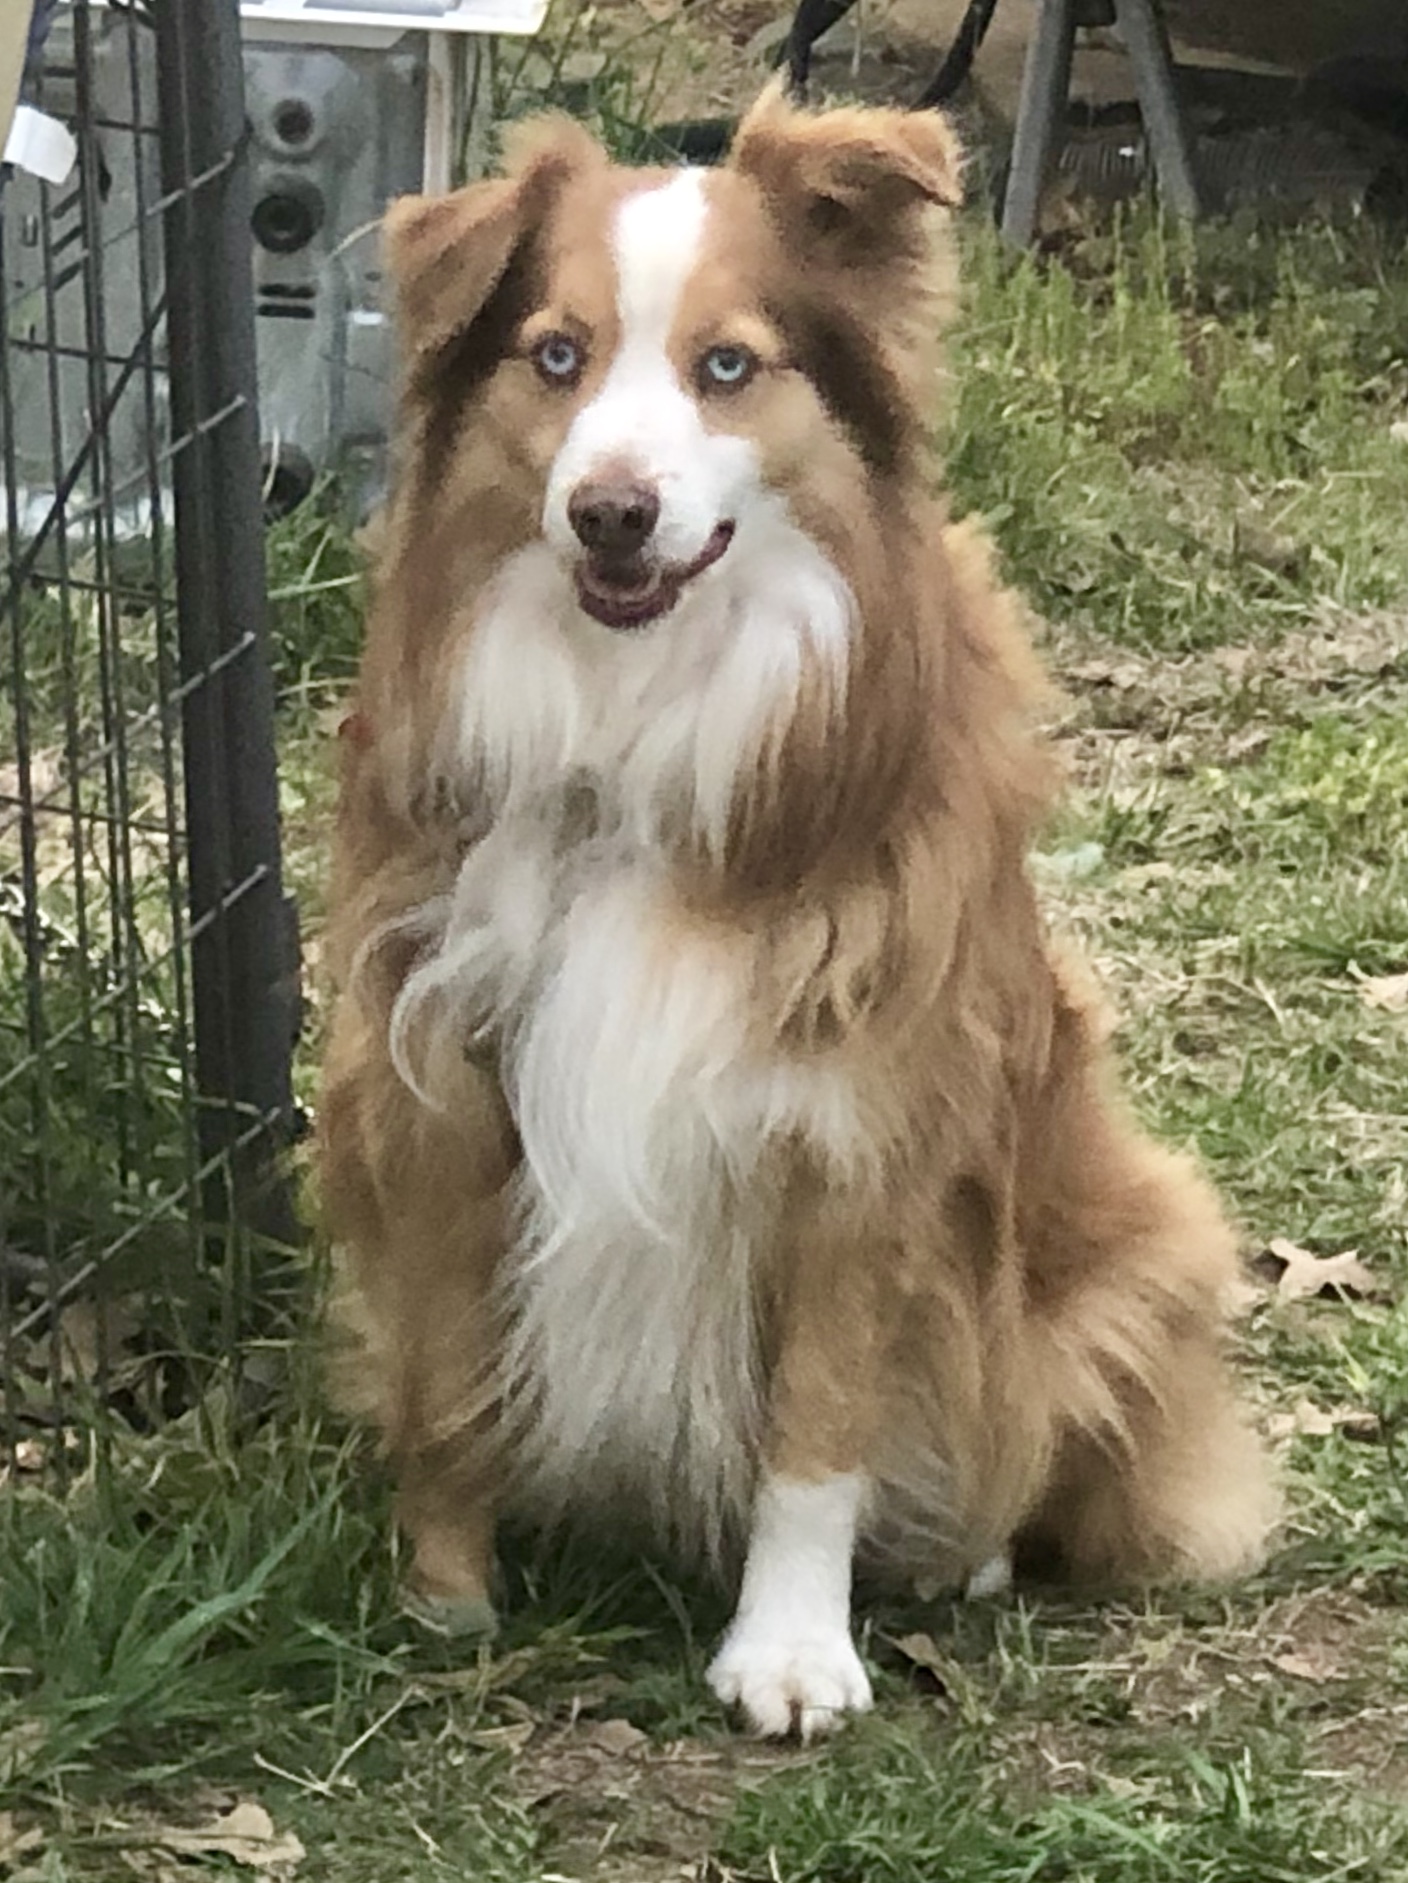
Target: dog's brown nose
x=613 y=518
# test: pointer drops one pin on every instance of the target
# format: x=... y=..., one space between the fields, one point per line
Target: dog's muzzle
x=621 y=581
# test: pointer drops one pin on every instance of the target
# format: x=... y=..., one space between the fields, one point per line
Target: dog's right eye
x=559 y=359
x=726 y=369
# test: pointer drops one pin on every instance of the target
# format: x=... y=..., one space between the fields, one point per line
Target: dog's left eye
x=727 y=368
x=559 y=359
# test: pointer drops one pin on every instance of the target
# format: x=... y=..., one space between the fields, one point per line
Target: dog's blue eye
x=727 y=367
x=559 y=359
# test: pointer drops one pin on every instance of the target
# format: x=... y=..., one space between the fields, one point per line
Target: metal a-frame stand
x=1046 y=84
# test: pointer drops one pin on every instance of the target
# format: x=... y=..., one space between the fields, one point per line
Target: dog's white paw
x=994 y=1577
x=787 y=1682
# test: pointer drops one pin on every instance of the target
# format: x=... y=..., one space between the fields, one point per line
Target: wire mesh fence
x=148 y=959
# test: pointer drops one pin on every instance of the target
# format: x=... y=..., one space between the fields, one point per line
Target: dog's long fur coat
x=711 y=1134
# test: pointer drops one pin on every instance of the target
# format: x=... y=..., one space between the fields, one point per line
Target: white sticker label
x=40 y=145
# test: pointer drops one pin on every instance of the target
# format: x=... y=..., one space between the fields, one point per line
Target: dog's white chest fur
x=634 y=1351
x=621 y=1024
x=645 y=1111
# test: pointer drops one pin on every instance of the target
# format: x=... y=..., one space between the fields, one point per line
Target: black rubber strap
x=705 y=140
x=961 y=54
x=809 y=22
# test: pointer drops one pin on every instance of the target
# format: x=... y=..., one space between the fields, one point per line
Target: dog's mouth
x=631 y=593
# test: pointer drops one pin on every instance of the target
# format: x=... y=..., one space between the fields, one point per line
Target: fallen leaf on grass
x=45 y=776
x=1122 y=675
x=18 y=1746
x=1314 y=1665
x=1268 y=549
x=245 y=1832
x=15 y=1843
x=1389 y=991
x=943 y=1675
x=924 y=1652
x=1119 y=1786
x=1298 y=1274
x=1307 y=1420
x=1248 y=743
x=618 y=1738
x=93 y=1338
x=1234 y=661
x=512 y=1737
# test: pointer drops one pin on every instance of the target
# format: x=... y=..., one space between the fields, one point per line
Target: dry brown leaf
x=1234 y=661
x=93 y=1336
x=14 y=1842
x=245 y=1832
x=618 y=1738
x=18 y=1745
x=923 y=1650
x=1268 y=549
x=1119 y=1786
x=1122 y=675
x=1248 y=743
x=1300 y=1275
x=1314 y=1664
x=1306 y=1419
x=512 y=1737
x=1389 y=991
x=943 y=1676
x=45 y=776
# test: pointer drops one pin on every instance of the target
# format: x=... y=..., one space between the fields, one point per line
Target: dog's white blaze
x=642 y=417
x=656 y=243
x=788 y=1658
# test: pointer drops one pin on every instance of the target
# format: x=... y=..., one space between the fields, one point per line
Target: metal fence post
x=244 y=939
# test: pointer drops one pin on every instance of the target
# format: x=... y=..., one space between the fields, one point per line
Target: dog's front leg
x=788 y=1659
x=416 y=1200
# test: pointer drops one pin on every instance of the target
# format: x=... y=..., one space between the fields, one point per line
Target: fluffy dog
x=711 y=1134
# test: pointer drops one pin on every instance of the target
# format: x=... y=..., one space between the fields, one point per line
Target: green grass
x=905 y=1807
x=1133 y=421
x=208 y=1611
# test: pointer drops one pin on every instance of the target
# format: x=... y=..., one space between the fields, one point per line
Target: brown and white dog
x=712 y=1136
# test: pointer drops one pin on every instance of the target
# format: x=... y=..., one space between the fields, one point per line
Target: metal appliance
x=349 y=106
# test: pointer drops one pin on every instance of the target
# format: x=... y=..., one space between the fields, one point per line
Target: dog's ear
x=853 y=183
x=857 y=199
x=447 y=254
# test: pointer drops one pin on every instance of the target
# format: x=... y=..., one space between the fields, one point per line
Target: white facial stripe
x=643 y=416
x=656 y=243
